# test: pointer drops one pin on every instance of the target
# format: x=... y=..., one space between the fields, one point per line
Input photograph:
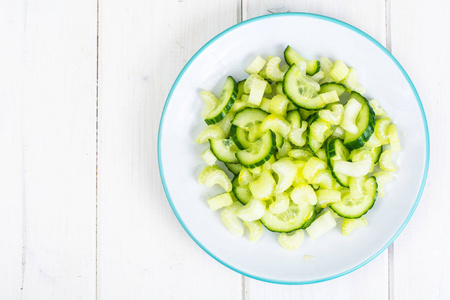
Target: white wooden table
x=83 y=214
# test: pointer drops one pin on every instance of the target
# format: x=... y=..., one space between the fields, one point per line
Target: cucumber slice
x=234 y=168
x=332 y=86
x=365 y=121
x=376 y=153
x=225 y=150
x=259 y=152
x=335 y=150
x=292 y=57
x=242 y=194
x=226 y=101
x=240 y=137
x=301 y=90
x=292 y=219
x=247 y=117
x=279 y=88
x=354 y=208
x=311 y=219
x=312 y=67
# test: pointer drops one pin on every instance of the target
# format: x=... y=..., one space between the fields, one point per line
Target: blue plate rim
x=382 y=48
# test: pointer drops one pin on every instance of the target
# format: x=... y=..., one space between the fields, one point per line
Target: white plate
x=229 y=53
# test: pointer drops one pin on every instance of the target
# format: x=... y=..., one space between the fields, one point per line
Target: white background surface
x=83 y=214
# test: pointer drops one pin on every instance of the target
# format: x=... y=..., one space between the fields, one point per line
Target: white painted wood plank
x=48 y=99
x=368 y=16
x=143 y=252
x=11 y=170
x=420 y=39
x=371 y=281
x=59 y=148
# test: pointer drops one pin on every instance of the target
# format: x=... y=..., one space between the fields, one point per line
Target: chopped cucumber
x=292 y=219
x=292 y=57
x=247 y=117
x=226 y=101
x=351 y=208
x=225 y=150
x=259 y=152
x=242 y=194
x=240 y=137
x=335 y=151
x=365 y=122
x=376 y=153
x=301 y=155
x=301 y=90
x=332 y=86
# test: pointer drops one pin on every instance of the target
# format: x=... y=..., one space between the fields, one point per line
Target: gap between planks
x=96 y=156
x=387 y=4
x=240 y=18
x=24 y=219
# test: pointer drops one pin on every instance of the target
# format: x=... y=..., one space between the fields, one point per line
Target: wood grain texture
x=371 y=281
x=143 y=252
x=47 y=176
x=421 y=38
